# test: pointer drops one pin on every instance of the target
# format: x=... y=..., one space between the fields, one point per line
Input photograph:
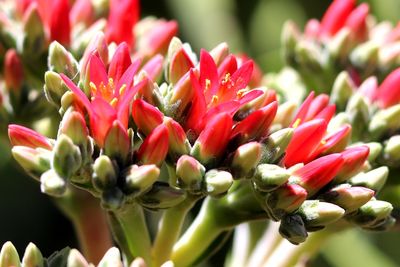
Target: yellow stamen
x=208 y=84
x=296 y=123
x=214 y=100
x=241 y=92
x=122 y=89
x=227 y=78
x=110 y=83
x=93 y=88
x=323 y=142
x=114 y=102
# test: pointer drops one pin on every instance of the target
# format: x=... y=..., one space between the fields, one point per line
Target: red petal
x=154 y=67
x=208 y=75
x=120 y=62
x=127 y=77
x=82 y=12
x=389 y=90
x=146 y=116
x=305 y=140
x=101 y=120
x=22 y=136
x=229 y=65
x=256 y=125
x=81 y=97
x=155 y=147
x=336 y=15
x=356 y=21
x=318 y=173
x=369 y=88
x=354 y=159
x=301 y=114
x=179 y=65
x=60 y=29
x=316 y=106
x=198 y=108
x=97 y=72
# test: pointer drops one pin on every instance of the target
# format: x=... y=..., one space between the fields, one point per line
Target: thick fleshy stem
x=170 y=228
x=89 y=221
x=216 y=217
x=131 y=233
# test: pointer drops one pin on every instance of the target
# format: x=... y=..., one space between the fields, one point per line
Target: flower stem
x=89 y=221
x=130 y=231
x=169 y=230
x=287 y=254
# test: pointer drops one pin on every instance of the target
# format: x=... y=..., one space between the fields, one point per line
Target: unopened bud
x=54 y=87
x=66 y=158
x=365 y=56
x=339 y=46
x=316 y=214
x=74 y=126
x=181 y=96
x=384 y=225
x=290 y=37
x=384 y=120
x=374 y=179
x=285 y=199
x=391 y=152
x=62 y=61
x=34 y=42
x=293 y=229
x=34 y=161
x=117 y=143
x=268 y=177
x=154 y=148
x=372 y=213
x=246 y=158
x=9 y=256
x=375 y=150
x=357 y=111
x=179 y=61
x=348 y=197
x=276 y=145
x=218 y=182
x=112 y=258
x=285 y=113
x=178 y=142
x=138 y=262
x=52 y=184
x=13 y=71
x=190 y=173
x=32 y=257
x=75 y=259
x=112 y=199
x=162 y=196
x=104 y=173
x=139 y=179
x=342 y=90
x=309 y=56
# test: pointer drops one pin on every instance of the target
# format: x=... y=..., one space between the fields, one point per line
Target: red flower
x=218 y=90
x=389 y=91
x=22 y=136
x=318 y=173
x=111 y=93
x=335 y=16
x=123 y=16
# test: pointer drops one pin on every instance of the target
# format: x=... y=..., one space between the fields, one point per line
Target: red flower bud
x=354 y=159
x=389 y=91
x=22 y=136
x=336 y=15
x=155 y=147
x=146 y=116
x=13 y=70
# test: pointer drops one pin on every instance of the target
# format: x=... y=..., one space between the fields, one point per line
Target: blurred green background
x=248 y=26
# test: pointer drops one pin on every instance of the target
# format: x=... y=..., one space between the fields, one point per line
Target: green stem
x=130 y=231
x=169 y=230
x=89 y=221
x=201 y=233
x=288 y=255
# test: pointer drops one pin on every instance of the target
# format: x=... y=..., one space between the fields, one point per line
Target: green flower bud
x=66 y=101
x=384 y=225
x=290 y=37
x=309 y=57
x=34 y=161
x=112 y=258
x=162 y=196
x=54 y=87
x=375 y=150
x=384 y=120
x=358 y=114
x=112 y=199
x=117 y=143
x=32 y=257
x=218 y=182
x=34 y=41
x=285 y=114
x=339 y=46
x=52 y=184
x=391 y=152
x=365 y=57
x=285 y=199
x=246 y=158
x=316 y=214
x=9 y=256
x=74 y=126
x=61 y=61
x=276 y=144
x=66 y=158
x=268 y=177
x=342 y=90
x=293 y=229
x=347 y=197
x=374 y=179
x=372 y=213
x=338 y=121
x=75 y=259
x=190 y=174
x=104 y=173
x=139 y=179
